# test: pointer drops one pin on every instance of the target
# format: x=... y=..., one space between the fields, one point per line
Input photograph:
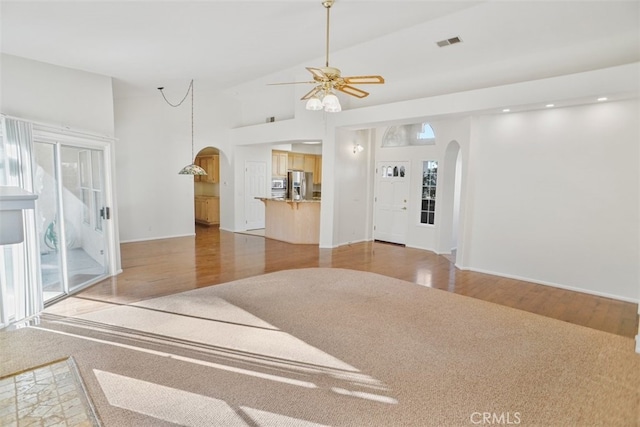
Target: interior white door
x=255 y=185
x=392 y=194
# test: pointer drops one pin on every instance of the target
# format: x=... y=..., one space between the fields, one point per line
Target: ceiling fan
x=328 y=79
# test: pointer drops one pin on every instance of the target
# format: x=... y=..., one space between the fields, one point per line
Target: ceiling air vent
x=447 y=42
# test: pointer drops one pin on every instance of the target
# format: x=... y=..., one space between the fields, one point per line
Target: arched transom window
x=406 y=135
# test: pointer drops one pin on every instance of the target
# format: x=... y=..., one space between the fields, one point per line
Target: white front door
x=255 y=185
x=392 y=194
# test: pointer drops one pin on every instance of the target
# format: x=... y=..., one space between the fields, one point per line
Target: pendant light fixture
x=190 y=169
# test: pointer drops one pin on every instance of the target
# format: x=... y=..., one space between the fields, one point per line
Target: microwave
x=277 y=183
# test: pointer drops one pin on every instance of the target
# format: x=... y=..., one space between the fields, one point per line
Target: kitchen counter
x=280 y=199
x=292 y=221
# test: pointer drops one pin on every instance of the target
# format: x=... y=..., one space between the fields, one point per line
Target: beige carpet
x=335 y=347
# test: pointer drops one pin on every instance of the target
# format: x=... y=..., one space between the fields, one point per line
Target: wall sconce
x=358 y=148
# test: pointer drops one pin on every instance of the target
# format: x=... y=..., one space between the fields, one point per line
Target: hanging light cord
x=189 y=89
x=185 y=95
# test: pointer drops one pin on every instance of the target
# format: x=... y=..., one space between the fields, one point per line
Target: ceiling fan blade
x=364 y=80
x=353 y=91
x=317 y=72
x=289 y=83
x=312 y=93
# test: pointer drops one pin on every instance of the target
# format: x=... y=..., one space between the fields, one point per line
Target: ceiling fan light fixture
x=331 y=103
x=333 y=108
x=314 y=104
x=329 y=78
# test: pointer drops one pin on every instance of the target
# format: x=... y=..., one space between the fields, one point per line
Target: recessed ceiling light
x=549 y=105
x=312 y=142
x=506 y=110
x=604 y=98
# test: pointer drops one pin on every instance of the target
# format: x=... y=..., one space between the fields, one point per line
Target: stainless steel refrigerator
x=299 y=185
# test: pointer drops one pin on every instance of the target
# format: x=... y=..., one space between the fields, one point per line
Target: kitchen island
x=292 y=221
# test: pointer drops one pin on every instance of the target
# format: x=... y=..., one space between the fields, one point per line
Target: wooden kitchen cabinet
x=296 y=161
x=317 y=170
x=310 y=163
x=282 y=161
x=313 y=163
x=279 y=164
x=211 y=165
x=207 y=210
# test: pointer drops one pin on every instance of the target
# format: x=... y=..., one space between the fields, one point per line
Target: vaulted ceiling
x=225 y=44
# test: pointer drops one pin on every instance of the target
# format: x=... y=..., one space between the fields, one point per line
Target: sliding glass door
x=68 y=241
x=70 y=214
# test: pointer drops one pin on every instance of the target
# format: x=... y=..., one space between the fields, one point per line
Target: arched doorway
x=449 y=241
x=207 y=188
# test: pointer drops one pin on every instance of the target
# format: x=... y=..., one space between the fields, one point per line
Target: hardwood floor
x=163 y=267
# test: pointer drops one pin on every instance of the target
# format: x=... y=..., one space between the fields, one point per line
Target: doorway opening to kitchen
x=207 y=188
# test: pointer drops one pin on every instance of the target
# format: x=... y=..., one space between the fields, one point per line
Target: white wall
x=288 y=131
x=353 y=195
x=154 y=201
x=55 y=95
x=457 y=193
x=556 y=197
x=154 y=143
x=227 y=189
x=447 y=208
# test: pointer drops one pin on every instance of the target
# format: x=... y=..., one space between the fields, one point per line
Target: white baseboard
x=147 y=239
x=435 y=251
x=638 y=343
x=337 y=245
x=353 y=242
